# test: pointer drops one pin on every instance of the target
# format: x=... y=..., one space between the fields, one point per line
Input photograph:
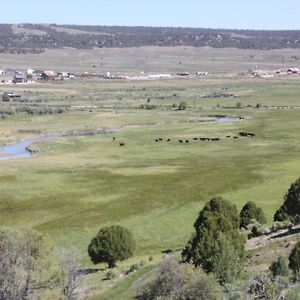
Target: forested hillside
x=34 y=38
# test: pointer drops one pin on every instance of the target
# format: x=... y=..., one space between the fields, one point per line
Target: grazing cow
x=168 y=140
x=114 y=138
x=195 y=139
x=121 y=144
x=156 y=140
x=215 y=139
x=202 y=139
x=235 y=137
x=160 y=139
x=180 y=141
x=248 y=134
x=187 y=141
x=228 y=136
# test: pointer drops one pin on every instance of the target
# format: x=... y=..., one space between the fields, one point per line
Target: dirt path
x=262 y=241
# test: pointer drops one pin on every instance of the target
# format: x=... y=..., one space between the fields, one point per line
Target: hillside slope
x=34 y=38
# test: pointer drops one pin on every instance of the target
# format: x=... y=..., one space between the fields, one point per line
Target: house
x=37 y=74
x=201 y=73
x=20 y=78
x=48 y=75
x=8 y=96
x=183 y=74
x=13 y=72
x=71 y=76
x=63 y=74
x=293 y=71
x=159 y=76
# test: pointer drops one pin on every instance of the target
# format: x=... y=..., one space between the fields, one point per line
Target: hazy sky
x=246 y=14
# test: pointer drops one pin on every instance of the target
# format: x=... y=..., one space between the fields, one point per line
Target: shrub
x=29 y=266
x=217 y=245
x=182 y=105
x=290 y=209
x=133 y=268
x=110 y=275
x=261 y=287
x=5 y=98
x=251 y=212
x=279 y=267
x=294 y=259
x=180 y=282
x=112 y=243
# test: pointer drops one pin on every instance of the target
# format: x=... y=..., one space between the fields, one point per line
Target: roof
x=49 y=73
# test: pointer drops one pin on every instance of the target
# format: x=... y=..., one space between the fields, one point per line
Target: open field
x=156 y=189
x=153 y=59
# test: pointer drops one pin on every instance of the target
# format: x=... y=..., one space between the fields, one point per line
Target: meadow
x=76 y=185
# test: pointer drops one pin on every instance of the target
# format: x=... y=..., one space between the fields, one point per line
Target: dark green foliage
x=217 y=245
x=279 y=267
x=112 y=243
x=181 y=282
x=110 y=275
x=251 y=212
x=182 y=105
x=294 y=259
x=130 y=36
x=5 y=98
x=290 y=209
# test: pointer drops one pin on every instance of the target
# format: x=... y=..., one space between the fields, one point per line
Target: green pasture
x=76 y=185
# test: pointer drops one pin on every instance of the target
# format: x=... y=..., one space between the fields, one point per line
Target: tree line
x=88 y=37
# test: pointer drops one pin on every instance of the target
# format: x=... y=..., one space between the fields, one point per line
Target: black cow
x=121 y=144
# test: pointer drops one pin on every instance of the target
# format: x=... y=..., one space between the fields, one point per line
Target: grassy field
x=152 y=59
x=76 y=185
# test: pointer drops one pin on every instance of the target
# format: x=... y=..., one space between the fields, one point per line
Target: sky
x=234 y=14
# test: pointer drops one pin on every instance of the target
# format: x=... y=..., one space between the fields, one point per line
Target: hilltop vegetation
x=34 y=38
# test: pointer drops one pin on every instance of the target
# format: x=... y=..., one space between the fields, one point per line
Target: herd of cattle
x=208 y=139
x=204 y=139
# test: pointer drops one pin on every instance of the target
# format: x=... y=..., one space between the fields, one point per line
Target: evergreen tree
x=112 y=243
x=217 y=245
x=251 y=212
x=290 y=209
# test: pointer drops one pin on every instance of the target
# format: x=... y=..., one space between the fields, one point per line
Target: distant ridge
x=35 y=38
